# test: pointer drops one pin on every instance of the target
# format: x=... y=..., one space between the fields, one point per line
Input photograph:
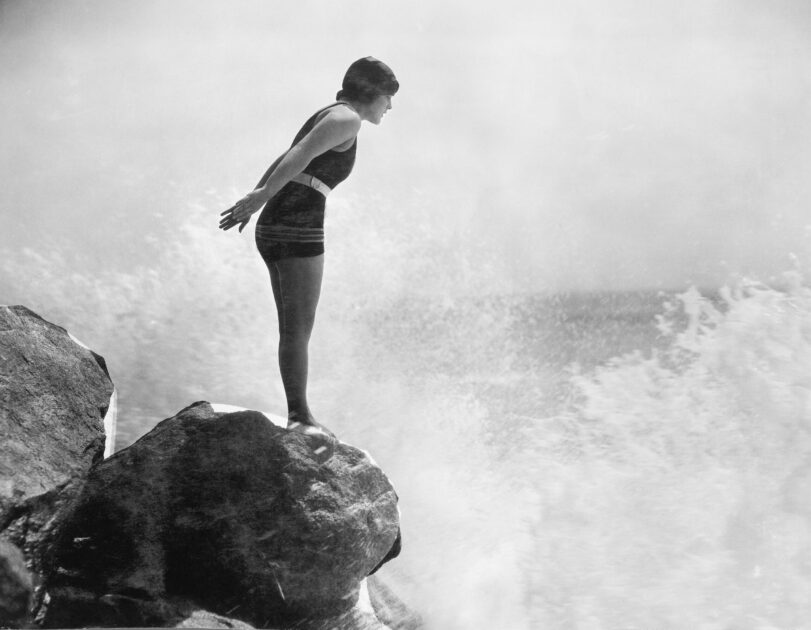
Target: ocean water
x=585 y=461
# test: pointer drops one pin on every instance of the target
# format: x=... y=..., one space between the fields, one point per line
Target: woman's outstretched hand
x=240 y=213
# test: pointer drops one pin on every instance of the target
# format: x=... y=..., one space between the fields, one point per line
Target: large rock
x=54 y=397
x=230 y=512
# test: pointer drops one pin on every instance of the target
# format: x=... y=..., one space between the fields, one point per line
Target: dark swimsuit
x=292 y=222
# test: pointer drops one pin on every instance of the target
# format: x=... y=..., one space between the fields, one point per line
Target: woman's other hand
x=240 y=213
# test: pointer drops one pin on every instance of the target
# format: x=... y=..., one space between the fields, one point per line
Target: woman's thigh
x=277 y=292
x=297 y=287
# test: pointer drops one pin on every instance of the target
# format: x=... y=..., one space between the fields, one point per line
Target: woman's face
x=378 y=108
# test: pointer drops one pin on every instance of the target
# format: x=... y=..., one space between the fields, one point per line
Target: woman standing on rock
x=290 y=229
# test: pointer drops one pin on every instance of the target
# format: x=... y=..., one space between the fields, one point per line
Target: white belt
x=312 y=182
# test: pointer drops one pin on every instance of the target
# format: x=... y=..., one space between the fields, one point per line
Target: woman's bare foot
x=324 y=440
x=305 y=423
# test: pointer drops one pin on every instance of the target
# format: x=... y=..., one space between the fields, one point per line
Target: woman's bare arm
x=268 y=172
x=336 y=128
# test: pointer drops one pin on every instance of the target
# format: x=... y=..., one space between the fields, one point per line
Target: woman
x=290 y=229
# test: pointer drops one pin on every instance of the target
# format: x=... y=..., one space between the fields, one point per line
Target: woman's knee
x=295 y=335
x=297 y=319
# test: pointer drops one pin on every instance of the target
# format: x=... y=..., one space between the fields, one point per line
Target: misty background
x=579 y=145
x=578 y=439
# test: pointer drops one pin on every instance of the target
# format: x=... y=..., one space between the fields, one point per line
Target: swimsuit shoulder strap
x=305 y=129
x=314 y=118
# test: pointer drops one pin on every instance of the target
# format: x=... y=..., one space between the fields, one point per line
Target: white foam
x=110 y=423
x=364 y=600
x=77 y=342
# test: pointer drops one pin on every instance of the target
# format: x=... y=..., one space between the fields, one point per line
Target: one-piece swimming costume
x=292 y=222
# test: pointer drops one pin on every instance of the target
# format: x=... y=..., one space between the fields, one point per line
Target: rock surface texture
x=226 y=511
x=54 y=395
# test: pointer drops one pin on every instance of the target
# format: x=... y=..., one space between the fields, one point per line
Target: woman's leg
x=296 y=286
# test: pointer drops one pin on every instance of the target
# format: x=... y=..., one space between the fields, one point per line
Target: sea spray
x=672 y=493
x=562 y=461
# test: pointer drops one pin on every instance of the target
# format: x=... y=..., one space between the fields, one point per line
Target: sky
x=577 y=145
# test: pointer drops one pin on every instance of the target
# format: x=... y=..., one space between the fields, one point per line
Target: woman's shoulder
x=339 y=113
x=336 y=121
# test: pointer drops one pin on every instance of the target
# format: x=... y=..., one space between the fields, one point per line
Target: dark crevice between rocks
x=14 y=513
x=32 y=505
x=96 y=448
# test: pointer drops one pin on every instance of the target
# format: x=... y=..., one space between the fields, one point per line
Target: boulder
x=227 y=511
x=54 y=397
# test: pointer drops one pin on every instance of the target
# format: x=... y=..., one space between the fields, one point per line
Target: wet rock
x=54 y=397
x=230 y=512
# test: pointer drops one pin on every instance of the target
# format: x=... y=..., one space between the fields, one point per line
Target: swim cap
x=367 y=79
